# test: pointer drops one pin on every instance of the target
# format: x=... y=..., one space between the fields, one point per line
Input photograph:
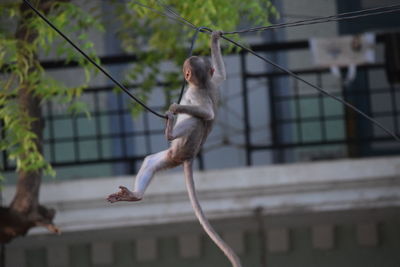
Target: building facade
x=288 y=177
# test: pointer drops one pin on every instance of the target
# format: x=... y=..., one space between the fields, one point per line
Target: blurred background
x=289 y=177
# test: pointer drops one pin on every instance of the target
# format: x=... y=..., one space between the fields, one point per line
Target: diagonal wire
x=175 y=14
x=314 y=86
x=93 y=62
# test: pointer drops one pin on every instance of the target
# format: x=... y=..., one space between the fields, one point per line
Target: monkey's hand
x=174 y=108
x=170 y=124
x=170 y=116
x=216 y=35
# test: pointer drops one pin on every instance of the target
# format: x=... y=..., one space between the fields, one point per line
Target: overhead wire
x=94 y=62
x=338 y=17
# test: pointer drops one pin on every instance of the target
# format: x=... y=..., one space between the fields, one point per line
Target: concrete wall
x=371 y=242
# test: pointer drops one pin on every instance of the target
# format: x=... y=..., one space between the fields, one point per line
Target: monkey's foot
x=124 y=194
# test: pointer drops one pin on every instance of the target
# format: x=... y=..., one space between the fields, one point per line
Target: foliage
x=152 y=37
x=21 y=70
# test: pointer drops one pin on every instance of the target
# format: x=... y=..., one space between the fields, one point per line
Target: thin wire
x=160 y=13
x=333 y=19
x=93 y=62
x=337 y=17
x=175 y=14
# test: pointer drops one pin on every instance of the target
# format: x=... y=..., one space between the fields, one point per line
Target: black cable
x=337 y=17
x=93 y=62
x=314 y=86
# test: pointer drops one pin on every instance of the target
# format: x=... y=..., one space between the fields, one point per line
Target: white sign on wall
x=343 y=51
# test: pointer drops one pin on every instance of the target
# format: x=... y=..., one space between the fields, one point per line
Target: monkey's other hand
x=169 y=115
x=124 y=194
x=174 y=108
x=216 y=35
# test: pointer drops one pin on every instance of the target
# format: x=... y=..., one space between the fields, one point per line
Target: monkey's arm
x=216 y=57
x=204 y=111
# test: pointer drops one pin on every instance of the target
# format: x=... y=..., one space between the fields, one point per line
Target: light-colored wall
x=350 y=244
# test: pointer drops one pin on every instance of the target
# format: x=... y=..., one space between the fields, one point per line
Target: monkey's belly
x=187 y=147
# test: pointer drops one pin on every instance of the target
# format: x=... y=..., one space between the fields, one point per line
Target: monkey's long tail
x=228 y=251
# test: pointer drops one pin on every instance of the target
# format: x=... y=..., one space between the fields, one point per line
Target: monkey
x=188 y=125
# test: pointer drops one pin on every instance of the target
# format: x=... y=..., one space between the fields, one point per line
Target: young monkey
x=195 y=119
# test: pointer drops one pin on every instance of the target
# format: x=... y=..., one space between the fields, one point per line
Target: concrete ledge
x=278 y=189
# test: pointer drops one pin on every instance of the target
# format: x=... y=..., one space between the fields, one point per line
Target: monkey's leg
x=228 y=251
x=150 y=166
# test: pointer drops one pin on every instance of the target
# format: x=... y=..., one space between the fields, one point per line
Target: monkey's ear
x=188 y=75
x=212 y=70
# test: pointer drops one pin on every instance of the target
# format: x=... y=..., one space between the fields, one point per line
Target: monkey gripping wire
x=93 y=62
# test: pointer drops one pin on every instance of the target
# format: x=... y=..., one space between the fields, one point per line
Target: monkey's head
x=198 y=70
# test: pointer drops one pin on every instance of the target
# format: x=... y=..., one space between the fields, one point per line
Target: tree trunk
x=26 y=198
x=25 y=211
